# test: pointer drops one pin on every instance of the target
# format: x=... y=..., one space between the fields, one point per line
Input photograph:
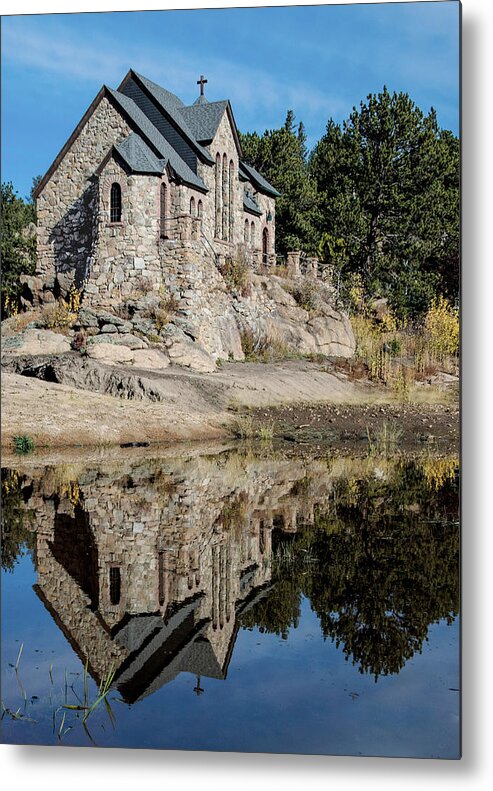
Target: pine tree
x=18 y=247
x=388 y=184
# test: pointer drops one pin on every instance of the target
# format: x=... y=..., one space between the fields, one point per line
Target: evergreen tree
x=18 y=246
x=388 y=185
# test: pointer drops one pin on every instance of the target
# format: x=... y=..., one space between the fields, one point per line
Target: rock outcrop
x=201 y=314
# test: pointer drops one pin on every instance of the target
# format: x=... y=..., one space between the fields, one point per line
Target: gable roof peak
x=163 y=94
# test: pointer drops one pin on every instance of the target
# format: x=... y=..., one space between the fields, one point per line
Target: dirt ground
x=352 y=428
x=301 y=401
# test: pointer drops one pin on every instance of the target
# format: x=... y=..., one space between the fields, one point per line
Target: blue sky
x=319 y=61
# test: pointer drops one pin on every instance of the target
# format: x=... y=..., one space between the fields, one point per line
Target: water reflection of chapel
x=152 y=581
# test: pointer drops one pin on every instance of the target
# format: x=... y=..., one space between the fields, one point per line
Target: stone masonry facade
x=168 y=209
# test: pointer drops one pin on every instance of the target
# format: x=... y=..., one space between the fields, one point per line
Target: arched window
x=217 y=232
x=230 y=201
x=162 y=212
x=200 y=209
x=247 y=231
x=265 y=246
x=115 y=203
x=192 y=207
x=252 y=234
x=115 y=585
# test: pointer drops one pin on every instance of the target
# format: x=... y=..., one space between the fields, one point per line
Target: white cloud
x=106 y=60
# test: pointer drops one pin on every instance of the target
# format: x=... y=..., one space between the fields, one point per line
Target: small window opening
x=115 y=203
x=115 y=585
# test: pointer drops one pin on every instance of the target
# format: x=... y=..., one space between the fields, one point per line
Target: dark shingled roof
x=156 y=139
x=250 y=204
x=138 y=155
x=172 y=105
x=256 y=178
x=204 y=118
x=166 y=98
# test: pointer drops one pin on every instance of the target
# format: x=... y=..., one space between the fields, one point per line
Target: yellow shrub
x=57 y=316
x=357 y=294
x=438 y=471
x=74 y=299
x=442 y=328
x=10 y=306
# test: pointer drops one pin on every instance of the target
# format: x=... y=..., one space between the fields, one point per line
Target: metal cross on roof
x=201 y=82
x=198 y=689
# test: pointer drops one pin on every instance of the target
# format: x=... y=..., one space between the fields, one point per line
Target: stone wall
x=224 y=225
x=127 y=252
x=206 y=311
x=67 y=207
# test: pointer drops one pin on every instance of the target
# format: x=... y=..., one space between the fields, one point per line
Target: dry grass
x=401 y=357
x=23 y=319
x=162 y=312
x=236 y=273
x=244 y=427
x=264 y=347
x=57 y=317
x=305 y=295
x=386 y=438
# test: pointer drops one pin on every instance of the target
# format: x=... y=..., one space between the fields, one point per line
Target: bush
x=237 y=274
x=267 y=347
x=57 y=316
x=393 y=347
x=23 y=444
x=247 y=342
x=161 y=313
x=441 y=327
x=305 y=295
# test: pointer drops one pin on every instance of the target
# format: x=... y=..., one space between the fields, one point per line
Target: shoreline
x=297 y=402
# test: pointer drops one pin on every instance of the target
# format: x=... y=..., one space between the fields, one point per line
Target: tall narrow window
x=192 y=207
x=115 y=585
x=162 y=212
x=217 y=232
x=115 y=203
x=247 y=232
x=252 y=234
x=162 y=578
x=230 y=201
x=200 y=209
x=225 y=197
x=265 y=246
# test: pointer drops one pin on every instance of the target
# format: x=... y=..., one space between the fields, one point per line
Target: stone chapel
x=142 y=181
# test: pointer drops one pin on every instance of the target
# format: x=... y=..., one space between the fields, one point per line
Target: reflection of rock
x=146 y=567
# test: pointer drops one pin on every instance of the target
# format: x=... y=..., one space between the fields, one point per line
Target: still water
x=238 y=600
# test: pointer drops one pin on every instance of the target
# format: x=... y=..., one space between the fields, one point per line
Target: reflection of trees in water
x=379 y=566
x=16 y=535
